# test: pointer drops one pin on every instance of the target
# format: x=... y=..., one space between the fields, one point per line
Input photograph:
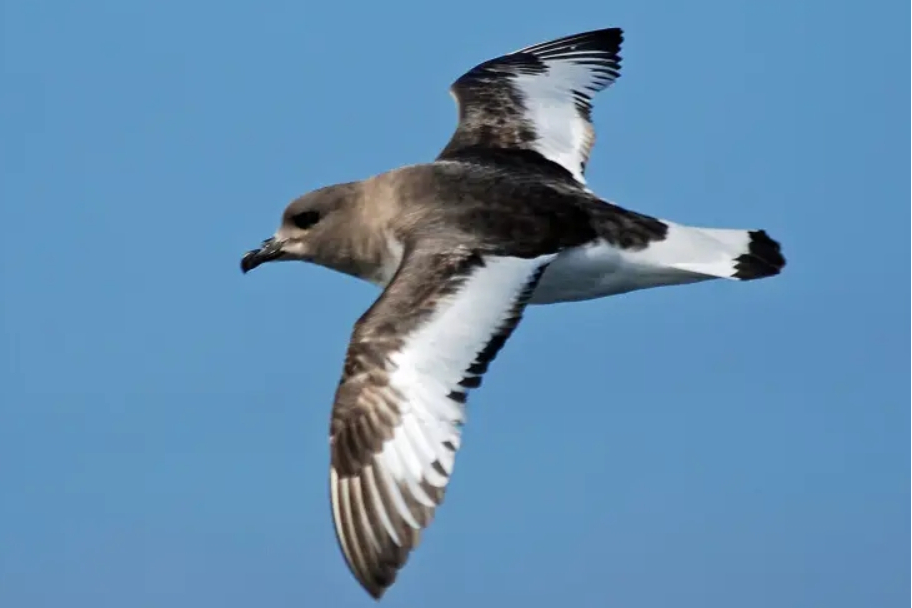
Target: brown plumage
x=501 y=219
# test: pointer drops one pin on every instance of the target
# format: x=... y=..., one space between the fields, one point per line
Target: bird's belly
x=600 y=269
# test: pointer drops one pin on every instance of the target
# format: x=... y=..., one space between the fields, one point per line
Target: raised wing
x=399 y=407
x=537 y=99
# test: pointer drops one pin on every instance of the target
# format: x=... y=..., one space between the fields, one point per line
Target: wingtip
x=606 y=40
x=376 y=593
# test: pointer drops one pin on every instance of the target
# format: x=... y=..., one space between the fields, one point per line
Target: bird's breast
x=388 y=261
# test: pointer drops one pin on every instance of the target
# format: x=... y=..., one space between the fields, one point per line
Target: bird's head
x=307 y=224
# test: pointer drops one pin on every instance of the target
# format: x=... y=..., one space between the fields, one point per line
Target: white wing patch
x=403 y=482
x=538 y=98
x=563 y=134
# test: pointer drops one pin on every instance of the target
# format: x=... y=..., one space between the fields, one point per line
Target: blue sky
x=163 y=419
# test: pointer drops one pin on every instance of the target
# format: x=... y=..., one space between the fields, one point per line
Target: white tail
x=686 y=255
x=715 y=252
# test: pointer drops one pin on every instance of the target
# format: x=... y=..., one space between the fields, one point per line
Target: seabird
x=501 y=219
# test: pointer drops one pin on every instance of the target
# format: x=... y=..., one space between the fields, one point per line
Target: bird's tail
x=741 y=255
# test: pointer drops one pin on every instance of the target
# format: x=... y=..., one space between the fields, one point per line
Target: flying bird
x=501 y=219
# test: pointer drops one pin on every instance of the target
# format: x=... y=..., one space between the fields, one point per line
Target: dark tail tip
x=763 y=258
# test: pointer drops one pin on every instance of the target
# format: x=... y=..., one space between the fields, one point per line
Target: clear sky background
x=163 y=419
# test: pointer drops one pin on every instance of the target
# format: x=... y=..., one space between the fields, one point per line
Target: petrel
x=502 y=218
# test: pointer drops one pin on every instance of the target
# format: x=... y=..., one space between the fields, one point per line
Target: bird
x=500 y=220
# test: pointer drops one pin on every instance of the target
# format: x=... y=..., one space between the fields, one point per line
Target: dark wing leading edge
x=399 y=407
x=537 y=99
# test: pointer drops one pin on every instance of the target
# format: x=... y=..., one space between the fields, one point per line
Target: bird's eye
x=305 y=219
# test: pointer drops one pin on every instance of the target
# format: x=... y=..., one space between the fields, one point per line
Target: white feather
x=430 y=365
x=686 y=255
x=392 y=487
x=562 y=134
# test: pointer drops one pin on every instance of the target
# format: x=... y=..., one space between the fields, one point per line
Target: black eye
x=305 y=219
